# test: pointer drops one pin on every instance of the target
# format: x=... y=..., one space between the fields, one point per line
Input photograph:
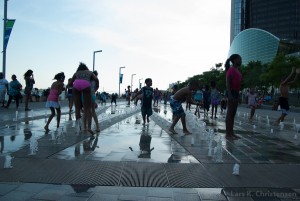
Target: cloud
x=183 y=37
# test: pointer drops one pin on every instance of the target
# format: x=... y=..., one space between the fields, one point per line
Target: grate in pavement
x=189 y=176
x=144 y=174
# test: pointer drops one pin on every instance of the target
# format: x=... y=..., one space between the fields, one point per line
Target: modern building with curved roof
x=259 y=45
x=255 y=45
x=262 y=29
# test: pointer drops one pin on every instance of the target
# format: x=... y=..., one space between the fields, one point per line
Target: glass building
x=255 y=45
x=279 y=17
x=238 y=18
x=261 y=29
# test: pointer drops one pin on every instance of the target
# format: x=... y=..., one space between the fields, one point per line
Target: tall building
x=254 y=21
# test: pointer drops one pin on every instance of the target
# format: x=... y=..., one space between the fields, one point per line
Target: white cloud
x=151 y=38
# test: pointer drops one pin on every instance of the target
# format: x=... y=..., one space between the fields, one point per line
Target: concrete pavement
x=73 y=166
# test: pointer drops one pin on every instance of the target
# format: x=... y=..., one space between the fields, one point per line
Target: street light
x=120 y=78
x=140 y=82
x=94 y=58
x=4 y=27
x=131 y=80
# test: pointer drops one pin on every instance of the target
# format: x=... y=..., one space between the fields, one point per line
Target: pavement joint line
x=235 y=158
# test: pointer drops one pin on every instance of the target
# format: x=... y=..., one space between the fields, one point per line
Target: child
x=14 y=91
x=188 y=106
x=147 y=97
x=251 y=96
x=52 y=101
x=198 y=97
x=215 y=99
x=69 y=94
x=174 y=90
x=223 y=104
x=284 y=91
x=206 y=100
x=176 y=100
x=128 y=94
x=133 y=94
x=156 y=97
x=29 y=81
x=3 y=88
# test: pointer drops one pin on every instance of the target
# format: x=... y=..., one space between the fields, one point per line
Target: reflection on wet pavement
x=257 y=144
x=126 y=139
x=127 y=153
x=129 y=140
x=18 y=135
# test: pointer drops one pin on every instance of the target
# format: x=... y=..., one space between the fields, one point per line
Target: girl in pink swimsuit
x=81 y=81
x=52 y=101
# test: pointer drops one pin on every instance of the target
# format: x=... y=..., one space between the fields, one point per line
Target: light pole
x=94 y=58
x=4 y=49
x=120 y=81
x=131 y=80
x=140 y=82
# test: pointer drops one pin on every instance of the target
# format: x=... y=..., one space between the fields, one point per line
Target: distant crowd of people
x=81 y=91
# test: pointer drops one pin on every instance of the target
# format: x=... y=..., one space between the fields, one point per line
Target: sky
x=166 y=40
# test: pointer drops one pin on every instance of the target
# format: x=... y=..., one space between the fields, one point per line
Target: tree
x=255 y=74
x=252 y=76
x=280 y=68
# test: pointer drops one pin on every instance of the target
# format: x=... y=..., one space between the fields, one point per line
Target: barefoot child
x=52 y=101
x=176 y=100
x=215 y=99
x=252 y=103
x=147 y=97
x=223 y=104
x=284 y=91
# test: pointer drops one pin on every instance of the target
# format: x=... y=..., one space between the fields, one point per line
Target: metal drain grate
x=144 y=174
x=189 y=176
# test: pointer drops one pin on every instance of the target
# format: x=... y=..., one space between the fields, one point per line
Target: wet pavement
x=131 y=161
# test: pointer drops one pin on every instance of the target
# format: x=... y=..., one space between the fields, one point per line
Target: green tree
x=280 y=68
x=252 y=76
x=255 y=74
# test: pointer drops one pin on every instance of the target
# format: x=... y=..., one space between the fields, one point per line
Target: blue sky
x=166 y=40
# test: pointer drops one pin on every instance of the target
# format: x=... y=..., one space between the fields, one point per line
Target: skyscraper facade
x=278 y=17
x=261 y=29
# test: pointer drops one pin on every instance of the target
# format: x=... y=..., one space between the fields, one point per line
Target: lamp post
x=94 y=58
x=140 y=82
x=120 y=78
x=4 y=27
x=131 y=80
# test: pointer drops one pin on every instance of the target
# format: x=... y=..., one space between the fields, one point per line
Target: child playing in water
x=147 y=97
x=251 y=96
x=81 y=81
x=284 y=91
x=215 y=99
x=176 y=100
x=52 y=101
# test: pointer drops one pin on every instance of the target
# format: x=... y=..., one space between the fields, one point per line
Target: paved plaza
x=131 y=161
